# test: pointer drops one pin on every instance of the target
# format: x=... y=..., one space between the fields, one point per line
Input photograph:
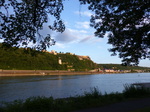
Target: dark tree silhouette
x=22 y=20
x=127 y=25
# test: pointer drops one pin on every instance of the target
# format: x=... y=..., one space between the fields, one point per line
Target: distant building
x=53 y=52
x=59 y=60
x=83 y=57
x=139 y=71
x=110 y=71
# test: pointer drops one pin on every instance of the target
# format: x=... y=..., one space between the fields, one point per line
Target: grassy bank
x=88 y=100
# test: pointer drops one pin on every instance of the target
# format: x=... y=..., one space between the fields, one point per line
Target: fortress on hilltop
x=79 y=56
x=83 y=57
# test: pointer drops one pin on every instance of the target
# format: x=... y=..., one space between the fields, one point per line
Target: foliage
x=78 y=65
x=126 y=23
x=21 y=21
x=88 y=100
x=30 y=59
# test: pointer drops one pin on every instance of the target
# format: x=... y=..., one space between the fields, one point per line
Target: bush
x=132 y=91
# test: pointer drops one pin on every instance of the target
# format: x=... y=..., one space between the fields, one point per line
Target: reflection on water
x=12 y=88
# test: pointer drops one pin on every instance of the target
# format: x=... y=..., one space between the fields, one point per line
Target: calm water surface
x=12 y=88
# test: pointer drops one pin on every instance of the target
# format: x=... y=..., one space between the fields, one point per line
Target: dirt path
x=122 y=106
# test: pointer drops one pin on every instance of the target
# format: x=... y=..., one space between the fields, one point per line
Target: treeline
x=120 y=67
x=12 y=58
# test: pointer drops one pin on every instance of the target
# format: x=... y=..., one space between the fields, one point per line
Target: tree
x=126 y=23
x=22 y=20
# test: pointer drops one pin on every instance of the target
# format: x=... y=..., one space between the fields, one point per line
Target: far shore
x=5 y=73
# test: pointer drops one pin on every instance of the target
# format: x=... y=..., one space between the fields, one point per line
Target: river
x=61 y=86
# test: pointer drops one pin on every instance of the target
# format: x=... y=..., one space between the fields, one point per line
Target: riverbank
x=131 y=99
x=42 y=72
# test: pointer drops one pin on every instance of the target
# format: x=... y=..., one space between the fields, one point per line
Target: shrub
x=132 y=91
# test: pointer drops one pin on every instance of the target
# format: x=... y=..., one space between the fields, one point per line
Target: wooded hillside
x=12 y=58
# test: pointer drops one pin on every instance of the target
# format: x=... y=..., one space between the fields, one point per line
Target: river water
x=12 y=88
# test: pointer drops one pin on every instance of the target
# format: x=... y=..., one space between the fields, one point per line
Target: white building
x=59 y=61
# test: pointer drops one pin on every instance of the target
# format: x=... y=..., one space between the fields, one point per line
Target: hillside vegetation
x=12 y=58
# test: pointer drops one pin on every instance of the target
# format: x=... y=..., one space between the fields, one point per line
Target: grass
x=132 y=91
x=88 y=100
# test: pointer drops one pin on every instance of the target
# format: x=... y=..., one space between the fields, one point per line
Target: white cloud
x=83 y=31
x=77 y=31
x=74 y=36
x=60 y=45
x=85 y=25
x=84 y=13
x=71 y=36
x=67 y=36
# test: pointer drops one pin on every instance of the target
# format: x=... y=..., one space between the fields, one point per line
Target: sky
x=78 y=37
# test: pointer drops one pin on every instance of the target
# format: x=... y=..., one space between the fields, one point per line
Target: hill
x=12 y=58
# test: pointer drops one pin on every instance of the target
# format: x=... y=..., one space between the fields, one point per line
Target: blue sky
x=79 y=37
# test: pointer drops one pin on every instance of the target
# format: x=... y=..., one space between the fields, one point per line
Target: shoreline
x=4 y=73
